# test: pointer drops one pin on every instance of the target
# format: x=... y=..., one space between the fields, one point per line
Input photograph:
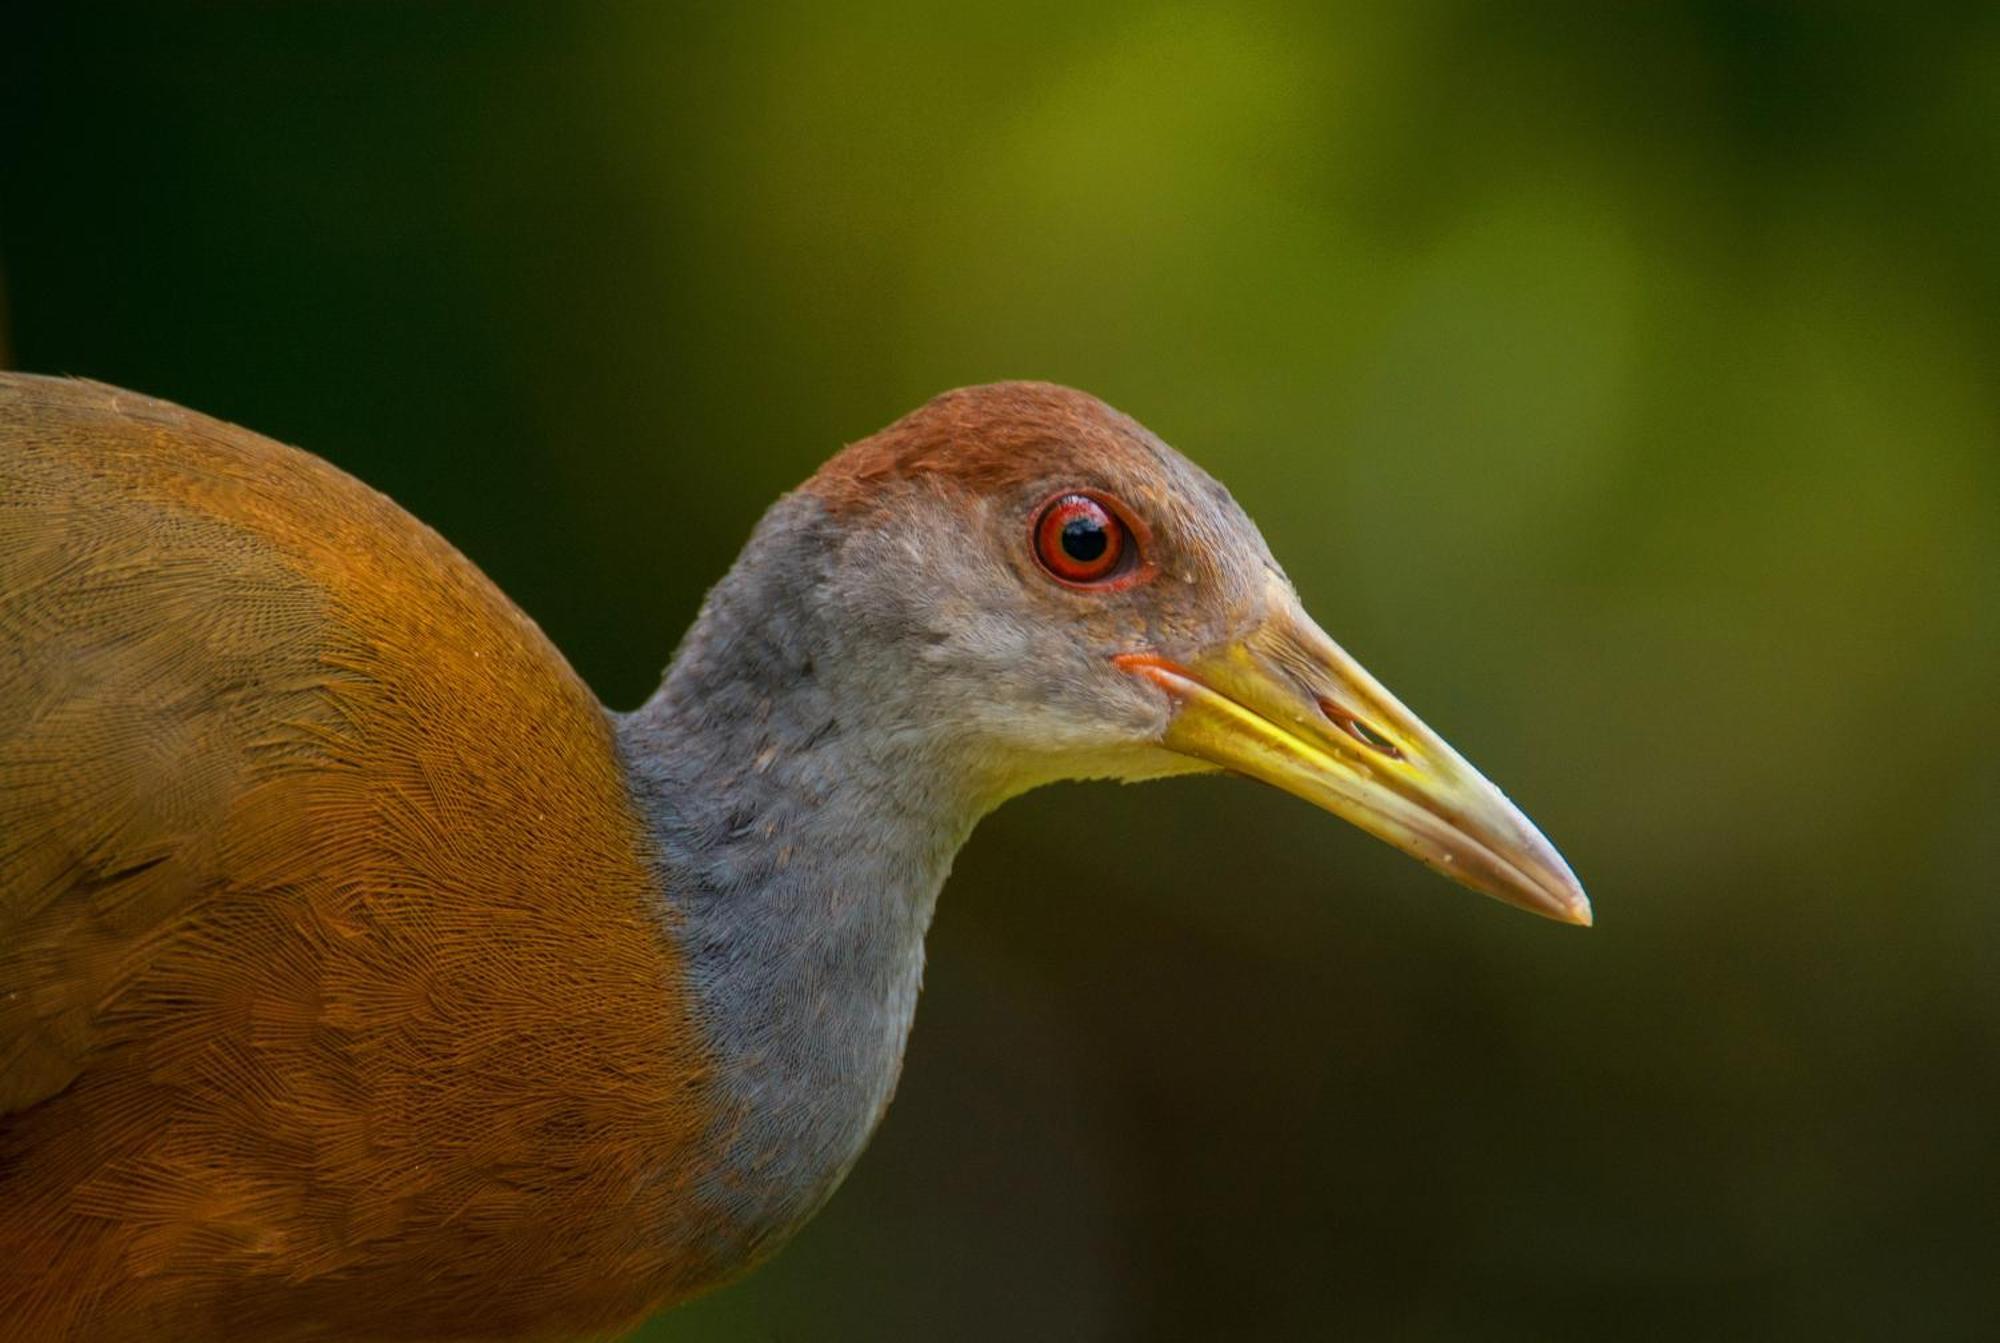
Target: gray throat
x=805 y=819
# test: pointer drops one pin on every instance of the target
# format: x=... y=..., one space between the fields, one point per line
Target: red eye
x=1080 y=541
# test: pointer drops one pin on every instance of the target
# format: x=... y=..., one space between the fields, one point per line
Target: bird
x=362 y=976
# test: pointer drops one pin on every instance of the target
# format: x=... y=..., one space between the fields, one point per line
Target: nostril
x=1359 y=729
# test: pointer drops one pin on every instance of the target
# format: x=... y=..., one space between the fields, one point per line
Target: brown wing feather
x=334 y=998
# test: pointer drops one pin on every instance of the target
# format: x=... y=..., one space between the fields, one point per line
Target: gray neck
x=804 y=824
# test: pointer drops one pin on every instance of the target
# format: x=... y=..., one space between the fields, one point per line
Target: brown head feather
x=985 y=439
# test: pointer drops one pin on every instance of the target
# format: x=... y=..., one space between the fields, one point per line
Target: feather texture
x=337 y=995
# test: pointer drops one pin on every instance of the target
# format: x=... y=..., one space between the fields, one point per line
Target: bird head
x=1066 y=596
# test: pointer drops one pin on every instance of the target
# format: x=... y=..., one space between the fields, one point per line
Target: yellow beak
x=1286 y=705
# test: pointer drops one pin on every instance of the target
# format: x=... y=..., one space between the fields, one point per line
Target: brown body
x=323 y=917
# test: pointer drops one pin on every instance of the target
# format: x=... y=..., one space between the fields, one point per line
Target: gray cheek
x=1142 y=709
x=977 y=642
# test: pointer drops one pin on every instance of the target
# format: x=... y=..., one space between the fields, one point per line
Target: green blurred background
x=1618 y=382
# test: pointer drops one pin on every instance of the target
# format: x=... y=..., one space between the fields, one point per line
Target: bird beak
x=1286 y=705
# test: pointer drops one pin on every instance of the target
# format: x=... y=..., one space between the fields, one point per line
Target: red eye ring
x=1082 y=541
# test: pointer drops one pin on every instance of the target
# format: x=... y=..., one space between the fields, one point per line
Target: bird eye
x=1080 y=541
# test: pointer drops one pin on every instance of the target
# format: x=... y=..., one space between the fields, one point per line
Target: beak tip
x=1557 y=892
x=1559 y=904
x=1566 y=902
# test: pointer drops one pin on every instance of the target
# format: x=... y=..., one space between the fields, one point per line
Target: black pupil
x=1084 y=539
